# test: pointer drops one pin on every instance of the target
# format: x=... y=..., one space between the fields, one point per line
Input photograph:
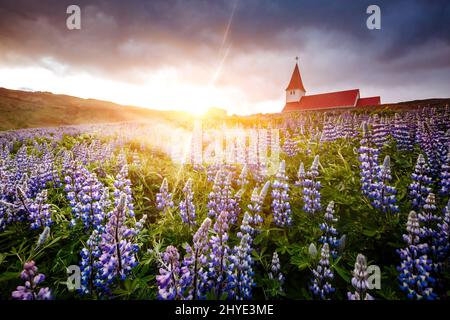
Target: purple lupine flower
x=243 y=176
x=195 y=263
x=290 y=146
x=321 y=286
x=421 y=183
x=87 y=196
x=32 y=281
x=329 y=132
x=444 y=183
x=168 y=280
x=360 y=280
x=301 y=176
x=281 y=207
x=429 y=237
x=118 y=256
x=259 y=171
x=219 y=252
x=255 y=207
x=442 y=241
x=414 y=270
x=383 y=195
x=93 y=201
x=431 y=142
x=187 y=207
x=311 y=189
x=164 y=197
x=122 y=185
x=348 y=128
x=89 y=265
x=241 y=273
x=402 y=134
x=218 y=196
x=275 y=272
x=221 y=197
x=37 y=210
x=329 y=232
x=212 y=170
x=368 y=157
x=246 y=226
x=380 y=131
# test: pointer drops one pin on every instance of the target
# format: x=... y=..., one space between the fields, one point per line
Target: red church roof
x=296 y=80
x=348 y=98
x=369 y=101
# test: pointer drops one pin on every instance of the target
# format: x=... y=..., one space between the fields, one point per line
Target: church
x=297 y=100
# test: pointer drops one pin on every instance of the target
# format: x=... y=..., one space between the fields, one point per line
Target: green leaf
x=6 y=276
x=344 y=274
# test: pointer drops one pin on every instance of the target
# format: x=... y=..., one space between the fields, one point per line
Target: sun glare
x=163 y=90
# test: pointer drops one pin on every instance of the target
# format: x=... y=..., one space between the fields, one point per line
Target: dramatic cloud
x=240 y=52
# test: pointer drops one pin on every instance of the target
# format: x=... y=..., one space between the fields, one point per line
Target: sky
x=237 y=54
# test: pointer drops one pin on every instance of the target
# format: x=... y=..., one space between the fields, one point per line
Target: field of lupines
x=356 y=209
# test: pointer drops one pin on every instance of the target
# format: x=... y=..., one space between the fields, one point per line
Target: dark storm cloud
x=121 y=38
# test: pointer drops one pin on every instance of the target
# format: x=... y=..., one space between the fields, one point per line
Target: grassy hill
x=23 y=109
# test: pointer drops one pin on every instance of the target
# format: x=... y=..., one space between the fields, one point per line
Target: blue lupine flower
x=402 y=134
x=301 y=176
x=243 y=176
x=382 y=194
x=359 y=280
x=221 y=197
x=255 y=207
x=368 y=157
x=212 y=169
x=241 y=272
x=444 y=182
x=321 y=286
x=118 y=256
x=164 y=197
x=348 y=128
x=87 y=196
x=168 y=280
x=329 y=132
x=380 y=131
x=32 y=281
x=37 y=210
x=281 y=208
x=219 y=252
x=187 y=207
x=421 y=183
x=195 y=275
x=290 y=145
x=122 y=185
x=442 y=241
x=90 y=265
x=275 y=272
x=431 y=142
x=429 y=236
x=329 y=232
x=415 y=267
x=311 y=189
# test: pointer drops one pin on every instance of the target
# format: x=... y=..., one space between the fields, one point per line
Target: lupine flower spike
x=31 y=290
x=359 y=280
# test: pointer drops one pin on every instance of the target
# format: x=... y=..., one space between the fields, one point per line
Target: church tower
x=295 y=90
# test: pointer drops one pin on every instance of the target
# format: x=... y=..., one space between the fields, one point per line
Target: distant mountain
x=25 y=109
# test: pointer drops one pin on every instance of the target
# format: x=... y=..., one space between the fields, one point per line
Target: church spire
x=296 y=79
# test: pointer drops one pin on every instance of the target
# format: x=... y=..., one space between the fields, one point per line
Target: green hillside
x=22 y=109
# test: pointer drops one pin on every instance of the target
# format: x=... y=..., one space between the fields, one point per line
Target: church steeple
x=295 y=89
